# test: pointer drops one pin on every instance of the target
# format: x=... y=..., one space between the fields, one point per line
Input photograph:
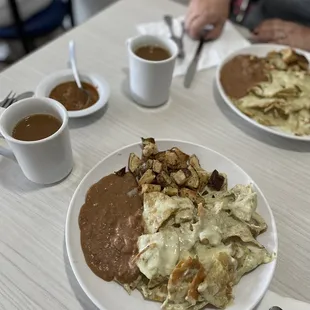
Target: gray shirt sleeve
x=291 y=10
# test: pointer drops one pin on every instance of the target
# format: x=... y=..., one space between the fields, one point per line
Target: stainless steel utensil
x=12 y=98
x=75 y=71
x=24 y=95
x=178 y=40
x=169 y=21
x=7 y=99
x=192 y=68
x=181 y=54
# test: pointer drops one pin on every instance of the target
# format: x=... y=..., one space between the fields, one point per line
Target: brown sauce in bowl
x=111 y=222
x=72 y=98
x=242 y=73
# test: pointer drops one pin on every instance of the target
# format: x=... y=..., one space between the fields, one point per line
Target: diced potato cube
x=149 y=147
x=181 y=176
x=164 y=179
x=194 y=162
x=149 y=188
x=170 y=191
x=192 y=195
x=171 y=159
x=134 y=162
x=193 y=180
x=147 y=178
x=157 y=166
x=183 y=158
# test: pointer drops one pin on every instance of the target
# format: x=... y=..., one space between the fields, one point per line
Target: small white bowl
x=48 y=83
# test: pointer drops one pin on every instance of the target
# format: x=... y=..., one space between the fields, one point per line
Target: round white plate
x=110 y=295
x=49 y=82
x=260 y=50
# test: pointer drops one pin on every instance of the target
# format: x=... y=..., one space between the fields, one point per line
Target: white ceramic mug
x=150 y=81
x=43 y=161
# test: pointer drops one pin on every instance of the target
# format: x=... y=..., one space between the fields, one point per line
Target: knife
x=192 y=68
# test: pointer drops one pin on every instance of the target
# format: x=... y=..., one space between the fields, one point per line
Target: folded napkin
x=273 y=299
x=213 y=53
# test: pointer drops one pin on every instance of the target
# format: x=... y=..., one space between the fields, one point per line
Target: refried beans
x=111 y=222
x=242 y=73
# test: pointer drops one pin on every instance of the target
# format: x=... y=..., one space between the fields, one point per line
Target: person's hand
x=203 y=12
x=283 y=32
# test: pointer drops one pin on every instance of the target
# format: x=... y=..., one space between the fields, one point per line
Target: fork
x=168 y=19
x=8 y=100
x=181 y=45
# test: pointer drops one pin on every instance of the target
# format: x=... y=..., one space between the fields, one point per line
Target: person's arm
x=203 y=12
x=283 y=32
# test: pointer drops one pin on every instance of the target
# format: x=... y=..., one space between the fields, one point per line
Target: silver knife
x=192 y=68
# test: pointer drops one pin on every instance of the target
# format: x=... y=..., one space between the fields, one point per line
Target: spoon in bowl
x=84 y=92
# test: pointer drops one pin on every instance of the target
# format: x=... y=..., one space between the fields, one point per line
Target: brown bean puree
x=242 y=73
x=72 y=98
x=111 y=222
x=36 y=127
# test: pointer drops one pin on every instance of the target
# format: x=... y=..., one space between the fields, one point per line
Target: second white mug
x=43 y=161
x=150 y=81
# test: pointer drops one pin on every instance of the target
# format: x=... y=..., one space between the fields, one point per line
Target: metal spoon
x=76 y=73
x=275 y=308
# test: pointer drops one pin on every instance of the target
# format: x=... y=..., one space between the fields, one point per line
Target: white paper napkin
x=273 y=299
x=213 y=53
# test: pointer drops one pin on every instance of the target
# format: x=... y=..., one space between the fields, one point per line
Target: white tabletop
x=34 y=272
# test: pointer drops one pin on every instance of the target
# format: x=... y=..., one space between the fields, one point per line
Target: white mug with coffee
x=41 y=146
x=151 y=65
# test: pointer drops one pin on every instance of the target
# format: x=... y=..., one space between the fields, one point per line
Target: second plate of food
x=177 y=225
x=267 y=85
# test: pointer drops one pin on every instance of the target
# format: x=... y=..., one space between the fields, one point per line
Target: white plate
x=260 y=50
x=110 y=295
x=48 y=83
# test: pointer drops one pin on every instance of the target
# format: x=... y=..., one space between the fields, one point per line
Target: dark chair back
x=19 y=29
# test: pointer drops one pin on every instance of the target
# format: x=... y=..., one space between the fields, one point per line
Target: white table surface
x=34 y=268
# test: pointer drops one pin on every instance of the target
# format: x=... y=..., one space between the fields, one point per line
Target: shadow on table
x=78 y=292
x=256 y=133
x=125 y=87
x=85 y=121
x=13 y=178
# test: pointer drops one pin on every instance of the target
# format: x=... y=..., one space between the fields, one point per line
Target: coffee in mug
x=36 y=127
x=152 y=53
